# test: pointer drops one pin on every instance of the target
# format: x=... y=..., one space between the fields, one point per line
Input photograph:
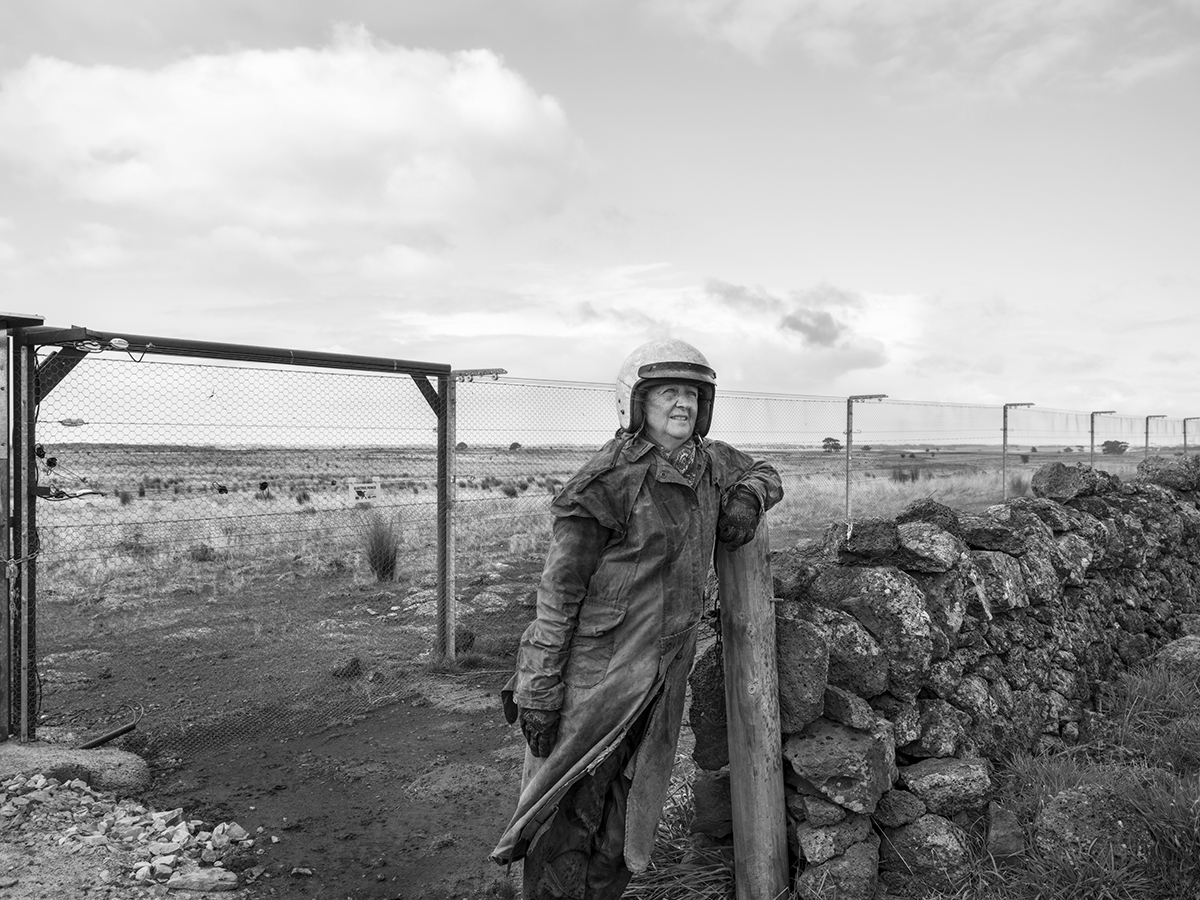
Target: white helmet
x=659 y=361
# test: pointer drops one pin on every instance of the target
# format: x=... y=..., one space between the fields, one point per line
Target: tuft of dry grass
x=381 y=546
x=1019 y=484
x=678 y=869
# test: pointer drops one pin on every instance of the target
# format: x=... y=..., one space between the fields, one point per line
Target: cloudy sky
x=952 y=200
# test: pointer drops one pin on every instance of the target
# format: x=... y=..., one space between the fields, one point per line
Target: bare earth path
x=404 y=802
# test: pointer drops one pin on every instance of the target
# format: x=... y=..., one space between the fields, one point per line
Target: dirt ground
x=297 y=704
x=404 y=802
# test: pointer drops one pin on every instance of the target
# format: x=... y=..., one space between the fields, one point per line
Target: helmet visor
x=685 y=371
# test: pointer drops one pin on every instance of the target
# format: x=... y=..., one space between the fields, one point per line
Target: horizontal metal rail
x=81 y=338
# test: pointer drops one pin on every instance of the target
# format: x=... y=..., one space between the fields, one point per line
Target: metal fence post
x=1185 y=421
x=1092 y=433
x=7 y=683
x=12 y=662
x=1148 y=418
x=447 y=614
x=1004 y=450
x=849 y=433
x=850 y=440
x=25 y=542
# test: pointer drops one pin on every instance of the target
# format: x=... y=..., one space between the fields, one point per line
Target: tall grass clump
x=1145 y=751
x=1019 y=484
x=381 y=546
x=1155 y=712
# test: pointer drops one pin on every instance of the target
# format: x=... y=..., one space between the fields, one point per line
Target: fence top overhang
x=86 y=338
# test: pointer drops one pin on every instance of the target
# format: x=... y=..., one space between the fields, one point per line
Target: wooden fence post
x=752 y=710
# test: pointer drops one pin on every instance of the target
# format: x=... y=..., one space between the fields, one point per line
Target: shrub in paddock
x=202 y=553
x=381 y=546
x=1019 y=484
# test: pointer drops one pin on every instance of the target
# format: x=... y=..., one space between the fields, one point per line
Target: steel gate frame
x=24 y=383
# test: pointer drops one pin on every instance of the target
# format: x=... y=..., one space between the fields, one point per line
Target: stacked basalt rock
x=913 y=651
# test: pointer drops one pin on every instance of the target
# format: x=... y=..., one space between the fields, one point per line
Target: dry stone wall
x=914 y=652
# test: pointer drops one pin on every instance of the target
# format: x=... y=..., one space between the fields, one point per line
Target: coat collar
x=638 y=446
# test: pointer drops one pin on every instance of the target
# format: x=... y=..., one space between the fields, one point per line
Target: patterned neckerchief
x=686 y=460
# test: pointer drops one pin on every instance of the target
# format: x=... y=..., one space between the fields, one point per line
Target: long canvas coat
x=618 y=607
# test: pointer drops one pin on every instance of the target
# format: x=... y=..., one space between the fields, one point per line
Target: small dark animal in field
x=221 y=489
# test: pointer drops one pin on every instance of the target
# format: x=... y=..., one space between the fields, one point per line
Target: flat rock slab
x=104 y=768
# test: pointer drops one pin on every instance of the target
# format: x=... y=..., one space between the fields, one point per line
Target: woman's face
x=671 y=411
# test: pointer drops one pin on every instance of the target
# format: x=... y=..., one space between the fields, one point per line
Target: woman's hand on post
x=738 y=519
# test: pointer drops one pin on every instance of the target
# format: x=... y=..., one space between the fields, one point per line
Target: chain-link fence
x=235 y=550
x=218 y=542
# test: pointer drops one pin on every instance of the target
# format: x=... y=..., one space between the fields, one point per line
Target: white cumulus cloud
x=356 y=132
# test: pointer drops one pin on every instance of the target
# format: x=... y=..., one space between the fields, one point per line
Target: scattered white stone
x=203 y=880
x=160 y=847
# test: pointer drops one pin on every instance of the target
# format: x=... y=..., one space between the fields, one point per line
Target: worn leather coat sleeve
x=575 y=548
x=738 y=470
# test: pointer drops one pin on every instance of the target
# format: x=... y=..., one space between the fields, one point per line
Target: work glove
x=738 y=519
x=540 y=727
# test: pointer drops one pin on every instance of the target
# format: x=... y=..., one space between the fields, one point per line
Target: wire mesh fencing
x=217 y=543
x=237 y=551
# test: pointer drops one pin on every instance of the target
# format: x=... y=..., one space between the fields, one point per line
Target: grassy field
x=148 y=503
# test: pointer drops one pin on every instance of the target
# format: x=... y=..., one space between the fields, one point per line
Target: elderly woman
x=601 y=672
